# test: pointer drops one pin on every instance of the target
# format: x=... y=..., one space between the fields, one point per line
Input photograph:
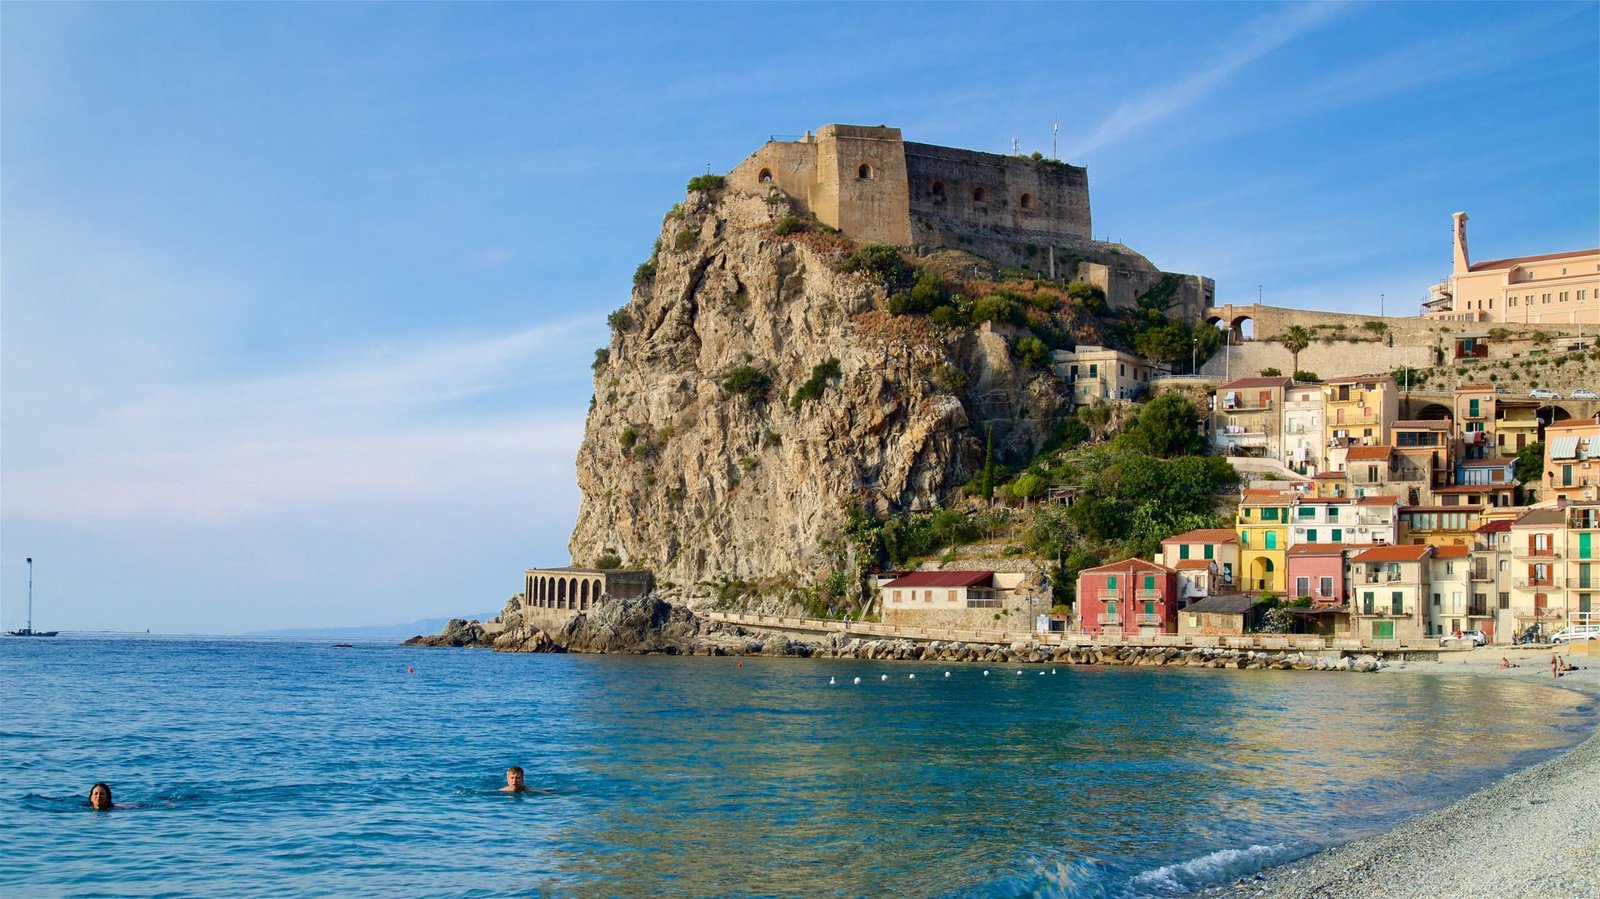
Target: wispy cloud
x=1258 y=38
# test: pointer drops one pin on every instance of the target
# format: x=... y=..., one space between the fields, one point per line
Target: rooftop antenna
x=1016 y=146
x=1055 y=129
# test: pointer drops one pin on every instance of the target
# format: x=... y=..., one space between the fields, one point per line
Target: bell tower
x=1462 y=263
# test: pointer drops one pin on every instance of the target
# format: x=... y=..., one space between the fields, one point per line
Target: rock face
x=457 y=632
x=683 y=473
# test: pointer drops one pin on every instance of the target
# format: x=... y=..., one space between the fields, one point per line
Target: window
x=1210 y=551
x=1094 y=370
x=1122 y=370
x=1272 y=540
x=1306 y=512
x=1338 y=535
x=949 y=596
x=1505 y=600
x=1302 y=586
x=1325 y=586
x=937 y=189
x=765 y=177
x=1333 y=515
x=1111 y=582
x=977 y=195
x=1311 y=535
x=864 y=172
x=927 y=596
x=1397 y=602
x=1026 y=201
x=1383 y=630
x=1183 y=551
x=1436 y=600
x=1368 y=603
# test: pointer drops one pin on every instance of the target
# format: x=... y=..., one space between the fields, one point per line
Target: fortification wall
x=1271 y=322
x=963 y=191
x=1334 y=360
x=861 y=183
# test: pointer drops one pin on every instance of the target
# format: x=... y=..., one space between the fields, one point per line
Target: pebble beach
x=1536 y=833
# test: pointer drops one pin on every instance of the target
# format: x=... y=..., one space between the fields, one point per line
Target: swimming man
x=514 y=782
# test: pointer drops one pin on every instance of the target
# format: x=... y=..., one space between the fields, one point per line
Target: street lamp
x=1194 y=348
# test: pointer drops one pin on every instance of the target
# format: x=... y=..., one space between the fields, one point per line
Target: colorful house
x=1475 y=417
x=1206 y=559
x=1359 y=411
x=1449 y=587
x=1439 y=525
x=1220 y=616
x=1389 y=585
x=1263 y=528
x=1583 y=562
x=1369 y=470
x=1247 y=417
x=1572 y=461
x=1317 y=572
x=1496 y=478
x=1538 y=565
x=957 y=599
x=1128 y=598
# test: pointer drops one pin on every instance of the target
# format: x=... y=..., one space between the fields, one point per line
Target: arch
x=538 y=592
x=864 y=172
x=978 y=195
x=1558 y=413
x=1242 y=328
x=1025 y=201
x=561 y=593
x=572 y=593
x=1261 y=573
x=765 y=177
x=583 y=595
x=937 y=189
x=1434 y=412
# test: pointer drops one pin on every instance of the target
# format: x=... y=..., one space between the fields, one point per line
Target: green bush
x=879 y=259
x=1031 y=353
x=789 y=224
x=812 y=389
x=1308 y=377
x=629 y=439
x=706 y=182
x=683 y=240
x=1271 y=373
x=750 y=383
x=997 y=308
x=608 y=560
x=948 y=378
x=601 y=357
x=948 y=317
x=620 y=320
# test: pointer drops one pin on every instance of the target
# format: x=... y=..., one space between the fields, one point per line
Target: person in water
x=514 y=782
x=100 y=797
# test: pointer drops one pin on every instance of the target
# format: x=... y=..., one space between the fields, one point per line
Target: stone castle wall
x=962 y=192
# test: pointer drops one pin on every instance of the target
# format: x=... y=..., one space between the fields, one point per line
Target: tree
x=1530 y=467
x=1168 y=426
x=1296 y=339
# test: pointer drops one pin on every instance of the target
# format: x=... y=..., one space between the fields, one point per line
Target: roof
x=1194 y=564
x=1227 y=603
x=1378 y=501
x=1243 y=383
x=1129 y=565
x=1329 y=476
x=1486 y=463
x=1540 y=517
x=1469 y=489
x=1519 y=260
x=1411 y=553
x=1428 y=424
x=1368 y=453
x=1359 y=379
x=1326 y=501
x=1318 y=549
x=1498 y=526
x=1566 y=423
x=943 y=579
x=1454 y=551
x=1267 y=497
x=1473 y=388
x=1205 y=536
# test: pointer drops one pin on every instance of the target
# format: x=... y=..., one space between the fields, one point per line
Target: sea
x=251 y=767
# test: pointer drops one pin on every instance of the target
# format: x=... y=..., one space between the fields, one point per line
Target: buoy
x=1019 y=671
x=858 y=680
x=741 y=663
x=985 y=672
x=911 y=677
x=1052 y=671
x=947 y=674
x=410 y=670
x=883 y=677
x=1041 y=674
x=830 y=681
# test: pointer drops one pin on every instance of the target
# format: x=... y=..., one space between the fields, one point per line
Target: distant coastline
x=383 y=632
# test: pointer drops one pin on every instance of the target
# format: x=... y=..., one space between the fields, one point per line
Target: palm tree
x=1297 y=338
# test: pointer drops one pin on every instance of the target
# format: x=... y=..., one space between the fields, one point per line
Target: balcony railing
x=1146 y=620
x=1109 y=618
x=1148 y=595
x=1386 y=612
x=1533 y=552
x=1583 y=583
x=1483 y=574
x=1583 y=522
x=1244 y=405
x=1536 y=583
x=1479 y=610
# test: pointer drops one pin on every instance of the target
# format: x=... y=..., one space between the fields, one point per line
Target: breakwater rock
x=457 y=632
x=1023 y=652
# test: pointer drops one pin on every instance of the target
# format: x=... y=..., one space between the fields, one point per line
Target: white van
x=1576 y=633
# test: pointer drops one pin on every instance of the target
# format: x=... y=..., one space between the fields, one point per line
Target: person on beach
x=100 y=797
x=514 y=781
x=1505 y=663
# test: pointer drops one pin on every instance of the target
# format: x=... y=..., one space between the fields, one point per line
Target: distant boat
x=29 y=631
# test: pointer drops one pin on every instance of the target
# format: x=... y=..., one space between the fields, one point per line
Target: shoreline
x=1533 y=833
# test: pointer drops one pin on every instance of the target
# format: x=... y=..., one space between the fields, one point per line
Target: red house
x=1128 y=598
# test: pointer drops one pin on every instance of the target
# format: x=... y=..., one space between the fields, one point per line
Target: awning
x=1564 y=448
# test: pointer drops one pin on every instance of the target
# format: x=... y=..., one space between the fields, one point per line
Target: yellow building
x=1263 y=528
x=1554 y=288
x=1516 y=425
x=1358 y=411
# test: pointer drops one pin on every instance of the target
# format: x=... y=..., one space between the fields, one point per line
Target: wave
x=1213 y=867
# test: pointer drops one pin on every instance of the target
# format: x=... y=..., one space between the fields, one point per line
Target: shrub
x=683 y=240
x=620 y=320
x=998 y=309
x=812 y=389
x=601 y=357
x=879 y=259
x=1376 y=328
x=1499 y=333
x=1271 y=373
x=645 y=273
x=1086 y=297
x=629 y=439
x=608 y=560
x=948 y=378
x=789 y=224
x=706 y=182
x=1309 y=377
x=750 y=383
x=947 y=317
x=1031 y=353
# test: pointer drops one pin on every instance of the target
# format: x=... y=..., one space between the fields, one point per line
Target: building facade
x=1552 y=288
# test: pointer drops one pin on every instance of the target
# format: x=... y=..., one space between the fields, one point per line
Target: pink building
x=1317 y=570
x=1128 y=598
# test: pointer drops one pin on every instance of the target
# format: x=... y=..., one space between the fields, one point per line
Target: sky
x=297 y=301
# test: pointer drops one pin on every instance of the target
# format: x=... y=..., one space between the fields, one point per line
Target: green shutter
x=1311 y=535
x=1183 y=551
x=1338 y=535
x=1583 y=545
x=1272 y=540
x=1210 y=550
x=1111 y=582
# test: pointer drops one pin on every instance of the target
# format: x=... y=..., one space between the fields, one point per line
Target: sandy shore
x=1536 y=833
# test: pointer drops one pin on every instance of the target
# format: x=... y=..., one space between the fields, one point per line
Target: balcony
x=1482 y=574
x=1108 y=619
x=1145 y=620
x=1386 y=612
x=1583 y=583
x=1535 y=553
x=1147 y=595
x=1240 y=404
x=1536 y=583
x=1479 y=610
x=1583 y=521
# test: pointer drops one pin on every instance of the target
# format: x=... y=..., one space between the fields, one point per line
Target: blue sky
x=299 y=299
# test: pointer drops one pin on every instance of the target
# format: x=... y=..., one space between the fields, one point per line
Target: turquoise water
x=255 y=768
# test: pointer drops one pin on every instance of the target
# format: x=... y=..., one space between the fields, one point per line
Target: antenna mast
x=1055 y=129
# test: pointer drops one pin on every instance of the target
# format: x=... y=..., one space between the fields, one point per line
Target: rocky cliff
x=700 y=462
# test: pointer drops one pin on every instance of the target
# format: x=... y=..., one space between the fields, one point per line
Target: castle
x=1033 y=213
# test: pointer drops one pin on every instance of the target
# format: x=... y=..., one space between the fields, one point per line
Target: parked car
x=1475 y=637
x=1584 y=393
x=1540 y=393
x=1576 y=633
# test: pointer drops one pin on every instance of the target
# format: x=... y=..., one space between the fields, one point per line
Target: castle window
x=1026 y=202
x=765 y=177
x=865 y=172
x=977 y=195
x=937 y=189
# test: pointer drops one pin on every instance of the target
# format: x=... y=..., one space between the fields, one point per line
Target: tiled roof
x=1498 y=526
x=1473 y=388
x=1469 y=489
x=1428 y=424
x=1486 y=463
x=943 y=579
x=1377 y=500
x=1571 y=423
x=1394 y=554
x=1205 y=535
x=1540 y=518
x=1329 y=476
x=1193 y=564
x=1319 y=549
x=1368 y=453
x=1358 y=379
x=1130 y=565
x=1245 y=383
x=1519 y=260
x=1453 y=551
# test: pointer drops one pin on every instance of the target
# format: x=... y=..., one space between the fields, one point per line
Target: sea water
x=267 y=768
